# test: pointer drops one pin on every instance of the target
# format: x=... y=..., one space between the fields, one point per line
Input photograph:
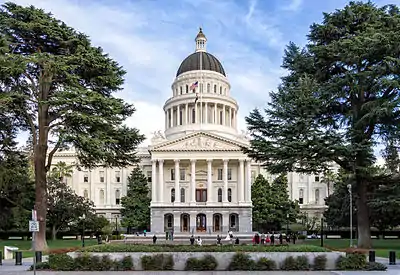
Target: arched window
x=220 y=90
x=301 y=196
x=173 y=195
x=316 y=196
x=101 y=199
x=232 y=220
x=219 y=195
x=193 y=115
x=117 y=197
x=208 y=87
x=215 y=88
x=85 y=194
x=182 y=194
x=229 y=195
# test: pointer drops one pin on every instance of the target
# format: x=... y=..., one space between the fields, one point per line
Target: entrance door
x=201 y=223
x=217 y=223
x=185 y=223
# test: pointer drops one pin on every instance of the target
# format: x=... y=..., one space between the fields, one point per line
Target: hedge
x=205 y=248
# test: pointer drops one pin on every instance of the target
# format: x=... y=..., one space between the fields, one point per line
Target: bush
x=207 y=263
x=299 y=263
x=157 y=262
x=132 y=247
x=241 y=261
x=265 y=264
x=41 y=266
x=61 y=262
x=302 y=237
x=352 y=261
x=320 y=262
x=375 y=267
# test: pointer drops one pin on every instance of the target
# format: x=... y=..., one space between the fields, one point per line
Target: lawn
x=25 y=246
x=382 y=247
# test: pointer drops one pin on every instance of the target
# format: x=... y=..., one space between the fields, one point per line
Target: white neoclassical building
x=200 y=179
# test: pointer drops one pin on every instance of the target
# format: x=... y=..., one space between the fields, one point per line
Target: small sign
x=33 y=226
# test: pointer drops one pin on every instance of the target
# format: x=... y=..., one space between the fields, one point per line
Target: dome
x=209 y=63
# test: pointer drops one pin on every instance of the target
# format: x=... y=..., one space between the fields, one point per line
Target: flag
x=197 y=98
x=194 y=85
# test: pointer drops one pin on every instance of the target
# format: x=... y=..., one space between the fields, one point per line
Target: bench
x=9 y=252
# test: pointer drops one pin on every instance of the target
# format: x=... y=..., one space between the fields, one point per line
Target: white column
x=225 y=178
x=223 y=115
x=215 y=114
x=230 y=117
x=166 y=120
x=209 y=181
x=154 y=181
x=248 y=180
x=206 y=112
x=171 y=117
x=178 y=112
x=193 y=180
x=186 y=114
x=241 y=181
x=177 y=174
x=161 y=180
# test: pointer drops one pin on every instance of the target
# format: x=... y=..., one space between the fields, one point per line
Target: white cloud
x=294 y=5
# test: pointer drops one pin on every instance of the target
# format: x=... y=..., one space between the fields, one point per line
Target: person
x=172 y=235
x=144 y=232
x=262 y=238
x=154 y=239
x=192 y=240
x=257 y=238
x=218 y=240
x=268 y=239
x=199 y=241
x=294 y=236
x=237 y=240
x=287 y=238
x=273 y=238
x=280 y=238
x=231 y=235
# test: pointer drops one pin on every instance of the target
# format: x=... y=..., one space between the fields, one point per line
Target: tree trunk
x=363 y=224
x=54 y=232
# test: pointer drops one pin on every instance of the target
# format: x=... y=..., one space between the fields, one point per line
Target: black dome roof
x=209 y=63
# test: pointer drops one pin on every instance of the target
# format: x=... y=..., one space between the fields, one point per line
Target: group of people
x=270 y=238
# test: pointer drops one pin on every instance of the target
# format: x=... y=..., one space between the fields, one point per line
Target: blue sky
x=150 y=38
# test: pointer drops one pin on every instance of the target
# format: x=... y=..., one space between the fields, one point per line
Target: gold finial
x=200 y=34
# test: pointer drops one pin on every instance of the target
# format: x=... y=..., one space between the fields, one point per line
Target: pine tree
x=135 y=210
x=340 y=98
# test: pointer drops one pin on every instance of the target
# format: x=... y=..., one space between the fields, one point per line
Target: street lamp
x=287 y=224
x=83 y=230
x=351 y=214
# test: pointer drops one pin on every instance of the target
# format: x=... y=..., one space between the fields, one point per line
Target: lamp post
x=287 y=224
x=83 y=230
x=116 y=225
x=351 y=214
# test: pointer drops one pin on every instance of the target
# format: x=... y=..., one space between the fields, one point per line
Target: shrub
x=320 y=262
x=157 y=262
x=132 y=247
x=265 y=264
x=126 y=263
x=299 y=263
x=241 y=261
x=61 y=262
x=302 y=237
x=302 y=263
x=375 y=267
x=41 y=266
x=352 y=261
x=206 y=263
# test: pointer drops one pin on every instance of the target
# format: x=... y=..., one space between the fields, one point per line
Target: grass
x=205 y=248
x=381 y=247
x=25 y=246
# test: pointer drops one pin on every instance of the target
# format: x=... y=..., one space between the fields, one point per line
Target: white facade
x=200 y=180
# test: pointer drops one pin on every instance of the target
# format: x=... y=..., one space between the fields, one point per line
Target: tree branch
x=51 y=154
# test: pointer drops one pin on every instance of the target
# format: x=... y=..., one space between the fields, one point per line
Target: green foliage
x=87 y=262
x=135 y=210
x=339 y=99
x=157 y=262
x=320 y=262
x=241 y=261
x=205 y=248
x=352 y=261
x=61 y=170
x=271 y=204
x=298 y=263
x=65 y=207
x=264 y=264
x=207 y=263
x=374 y=266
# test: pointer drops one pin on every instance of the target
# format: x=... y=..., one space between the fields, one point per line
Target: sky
x=150 y=38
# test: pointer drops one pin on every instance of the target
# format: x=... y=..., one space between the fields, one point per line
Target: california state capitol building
x=200 y=179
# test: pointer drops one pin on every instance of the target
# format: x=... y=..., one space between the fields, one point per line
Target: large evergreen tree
x=61 y=88
x=272 y=207
x=135 y=210
x=340 y=98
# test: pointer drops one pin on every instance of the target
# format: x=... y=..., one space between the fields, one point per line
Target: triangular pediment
x=199 y=142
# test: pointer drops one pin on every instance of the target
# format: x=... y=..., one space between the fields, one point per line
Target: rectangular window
x=229 y=174
x=101 y=174
x=201 y=195
x=300 y=200
x=148 y=176
x=317 y=178
x=182 y=174
x=172 y=174
x=220 y=171
x=85 y=176
x=117 y=176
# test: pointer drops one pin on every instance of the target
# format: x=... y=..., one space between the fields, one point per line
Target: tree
x=339 y=99
x=64 y=206
x=61 y=170
x=61 y=88
x=391 y=155
x=328 y=178
x=135 y=210
x=271 y=204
